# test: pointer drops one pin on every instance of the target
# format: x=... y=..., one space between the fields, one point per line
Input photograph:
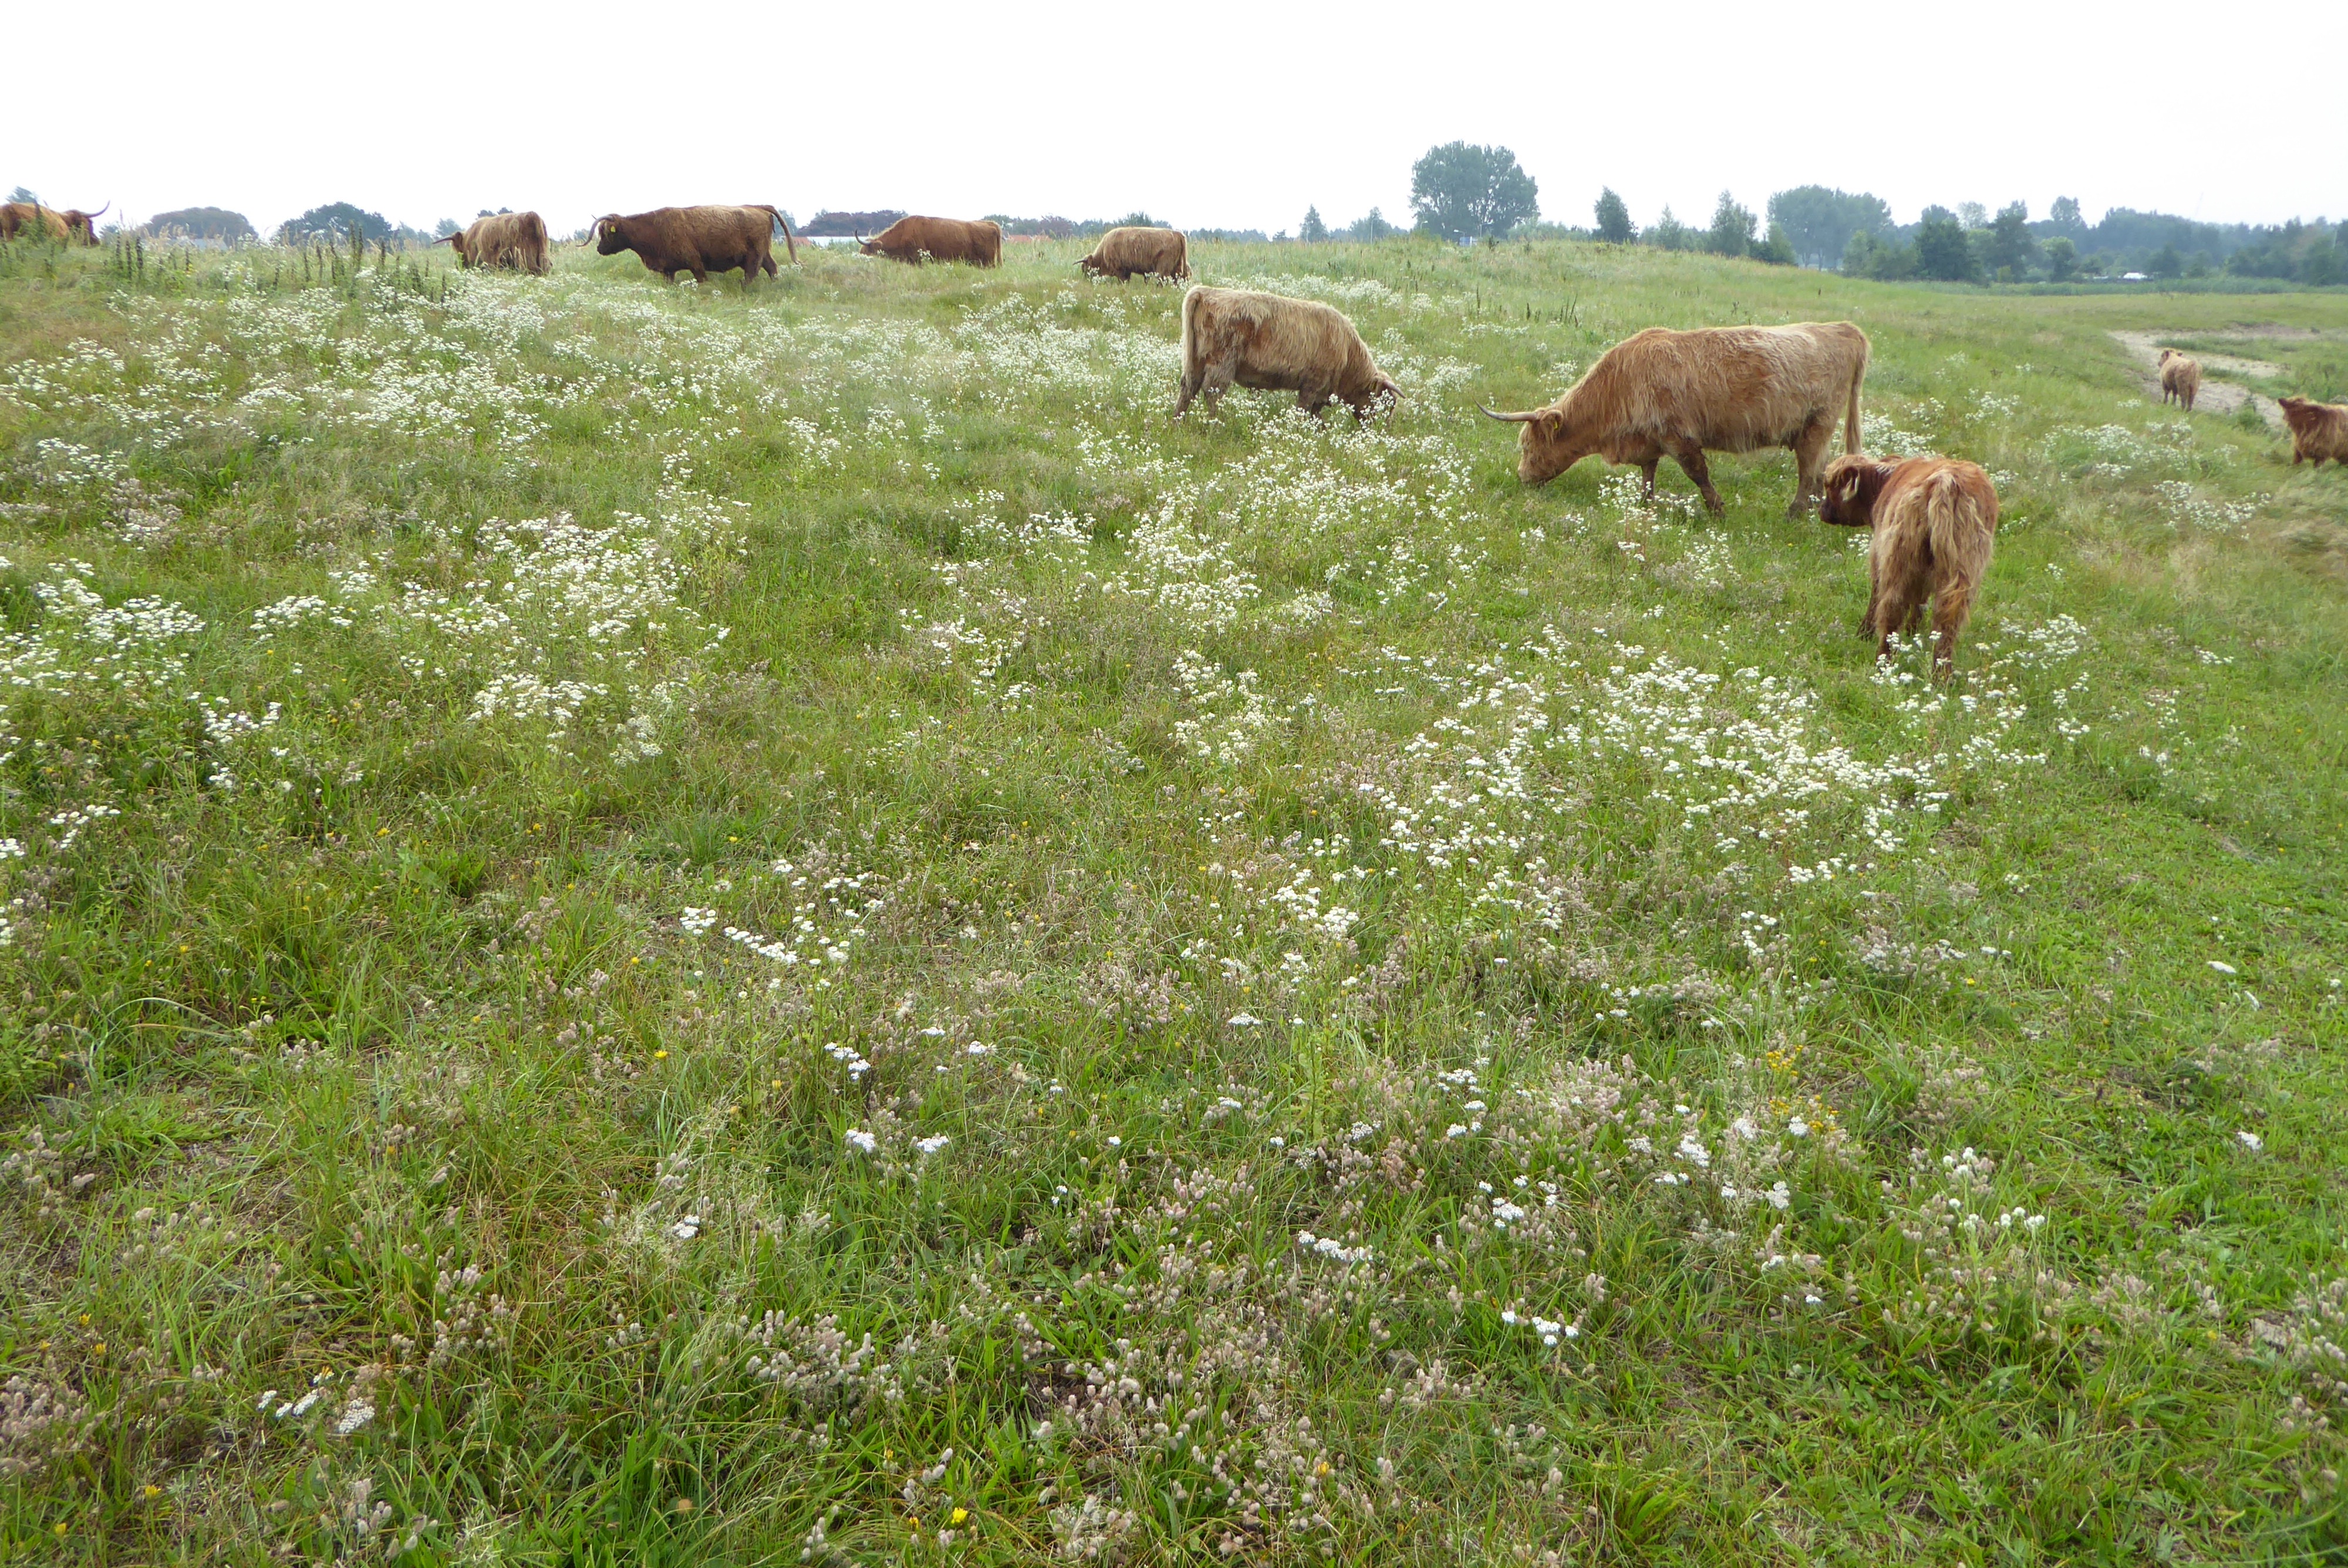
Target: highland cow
x=1274 y=343
x=1679 y=394
x=2318 y=430
x=698 y=239
x=83 y=226
x=1121 y=254
x=916 y=240
x=515 y=240
x=2180 y=378
x=17 y=217
x=1935 y=521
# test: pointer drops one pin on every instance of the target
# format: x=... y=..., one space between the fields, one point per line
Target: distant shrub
x=202 y=223
x=1776 y=249
x=1371 y=227
x=828 y=225
x=333 y=220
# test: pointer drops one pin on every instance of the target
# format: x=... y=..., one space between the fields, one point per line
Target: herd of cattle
x=1658 y=394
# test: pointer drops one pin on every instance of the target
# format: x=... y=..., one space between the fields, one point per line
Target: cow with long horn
x=1679 y=394
x=83 y=226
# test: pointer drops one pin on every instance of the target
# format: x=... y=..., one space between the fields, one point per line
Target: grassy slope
x=338 y=1008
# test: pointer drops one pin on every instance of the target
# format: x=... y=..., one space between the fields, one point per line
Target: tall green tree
x=1463 y=192
x=1941 y=250
x=1313 y=229
x=1614 y=224
x=2062 y=259
x=1668 y=233
x=1732 y=227
x=2011 y=247
x=1818 y=223
x=2064 y=219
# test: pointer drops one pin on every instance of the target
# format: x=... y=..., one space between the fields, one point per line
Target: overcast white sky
x=1205 y=116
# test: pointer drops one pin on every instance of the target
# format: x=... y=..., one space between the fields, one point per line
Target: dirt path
x=2217 y=396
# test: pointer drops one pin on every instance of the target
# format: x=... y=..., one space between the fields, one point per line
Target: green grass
x=1916 y=1118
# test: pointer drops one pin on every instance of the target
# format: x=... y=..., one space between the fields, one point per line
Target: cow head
x=1848 y=489
x=609 y=239
x=83 y=226
x=1547 y=446
x=867 y=247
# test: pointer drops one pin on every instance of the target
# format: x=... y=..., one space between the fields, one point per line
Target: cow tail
x=1850 y=425
x=1190 y=333
x=1959 y=539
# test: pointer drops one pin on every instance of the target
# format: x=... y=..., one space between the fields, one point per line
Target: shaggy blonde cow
x=1935 y=519
x=1679 y=394
x=1121 y=254
x=503 y=239
x=2180 y=379
x=1274 y=344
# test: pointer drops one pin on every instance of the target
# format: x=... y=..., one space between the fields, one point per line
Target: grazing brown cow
x=1935 y=519
x=1679 y=394
x=81 y=225
x=698 y=239
x=1152 y=253
x=2180 y=378
x=1274 y=343
x=915 y=240
x=503 y=239
x=2318 y=430
x=19 y=217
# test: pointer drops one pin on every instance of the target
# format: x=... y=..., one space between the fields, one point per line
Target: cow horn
x=1529 y=416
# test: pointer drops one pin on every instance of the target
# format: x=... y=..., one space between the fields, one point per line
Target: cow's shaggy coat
x=2180 y=378
x=19 y=217
x=503 y=239
x=1274 y=344
x=698 y=239
x=2318 y=430
x=1935 y=522
x=916 y=240
x=1151 y=253
x=1679 y=394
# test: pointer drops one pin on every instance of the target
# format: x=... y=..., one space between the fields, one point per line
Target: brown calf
x=2180 y=378
x=1935 y=520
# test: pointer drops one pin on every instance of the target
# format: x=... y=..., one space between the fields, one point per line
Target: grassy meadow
x=658 y=926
